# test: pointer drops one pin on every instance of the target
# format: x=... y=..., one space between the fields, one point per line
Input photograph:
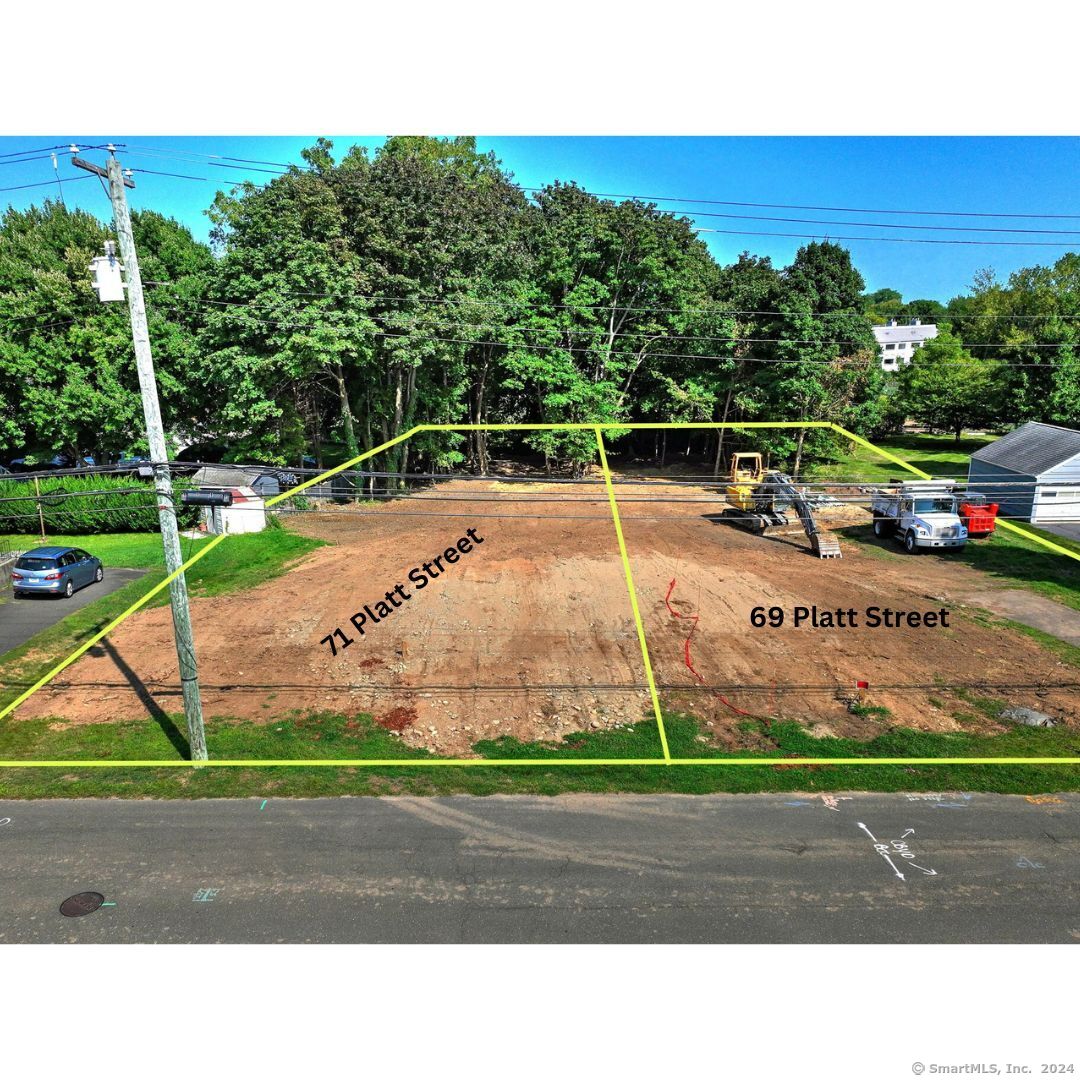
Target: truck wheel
x=882 y=528
x=909 y=543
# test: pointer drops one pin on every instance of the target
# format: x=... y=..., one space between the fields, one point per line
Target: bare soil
x=531 y=634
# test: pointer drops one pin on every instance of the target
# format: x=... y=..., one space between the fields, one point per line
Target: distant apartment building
x=897 y=341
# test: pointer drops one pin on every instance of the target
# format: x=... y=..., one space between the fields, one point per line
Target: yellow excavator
x=760 y=500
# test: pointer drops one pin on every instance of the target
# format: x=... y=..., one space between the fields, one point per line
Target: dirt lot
x=531 y=634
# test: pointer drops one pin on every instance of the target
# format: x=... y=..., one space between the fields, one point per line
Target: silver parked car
x=55 y=571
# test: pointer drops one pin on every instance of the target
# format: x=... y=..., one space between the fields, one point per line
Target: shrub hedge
x=86 y=505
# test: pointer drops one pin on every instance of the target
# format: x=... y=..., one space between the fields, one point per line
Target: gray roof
x=226 y=476
x=1031 y=449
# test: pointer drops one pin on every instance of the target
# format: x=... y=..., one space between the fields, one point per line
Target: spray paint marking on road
x=833 y=801
x=946 y=800
x=5 y=821
x=108 y=903
x=263 y=807
x=899 y=849
x=1024 y=863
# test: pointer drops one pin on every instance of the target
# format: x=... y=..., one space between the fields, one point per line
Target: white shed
x=247 y=513
x=1032 y=473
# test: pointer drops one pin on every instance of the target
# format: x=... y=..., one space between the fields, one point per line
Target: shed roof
x=1032 y=448
x=226 y=476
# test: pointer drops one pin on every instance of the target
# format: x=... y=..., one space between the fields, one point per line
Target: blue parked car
x=55 y=571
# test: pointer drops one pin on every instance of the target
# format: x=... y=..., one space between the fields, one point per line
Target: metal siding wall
x=1065 y=479
x=1015 y=501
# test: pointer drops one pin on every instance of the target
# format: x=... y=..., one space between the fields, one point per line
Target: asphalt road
x=21 y=619
x=1070 y=531
x=754 y=868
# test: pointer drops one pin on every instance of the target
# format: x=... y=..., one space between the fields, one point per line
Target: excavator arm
x=780 y=488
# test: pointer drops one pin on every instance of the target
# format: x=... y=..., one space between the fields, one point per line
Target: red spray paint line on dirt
x=695 y=619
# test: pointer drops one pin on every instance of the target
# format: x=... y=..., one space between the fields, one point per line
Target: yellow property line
x=926 y=476
x=633 y=596
x=145 y=598
x=489 y=762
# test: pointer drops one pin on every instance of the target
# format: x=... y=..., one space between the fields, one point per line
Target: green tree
x=948 y=389
x=67 y=371
x=824 y=357
x=623 y=299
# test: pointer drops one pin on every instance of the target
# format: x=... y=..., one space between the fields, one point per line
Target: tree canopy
x=344 y=302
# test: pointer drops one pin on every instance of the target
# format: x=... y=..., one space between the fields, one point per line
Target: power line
x=615 y=307
x=179 y=176
x=38 y=150
x=896 y=239
x=213 y=164
x=287 y=166
x=21 y=161
x=834 y=209
x=165 y=152
x=753 y=217
x=44 y=183
x=243 y=314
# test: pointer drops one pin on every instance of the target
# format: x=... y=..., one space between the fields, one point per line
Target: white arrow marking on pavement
x=923 y=869
x=867 y=831
x=907 y=833
x=893 y=865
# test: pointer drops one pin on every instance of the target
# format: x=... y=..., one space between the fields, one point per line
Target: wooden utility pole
x=37 y=503
x=159 y=455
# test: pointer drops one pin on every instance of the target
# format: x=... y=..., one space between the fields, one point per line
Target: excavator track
x=767 y=517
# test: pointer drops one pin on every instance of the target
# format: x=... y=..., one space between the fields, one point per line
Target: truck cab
x=920 y=516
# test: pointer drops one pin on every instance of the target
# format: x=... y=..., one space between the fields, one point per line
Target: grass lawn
x=238 y=563
x=137 y=550
x=939 y=455
x=246 y=560
x=1006 y=558
x=330 y=736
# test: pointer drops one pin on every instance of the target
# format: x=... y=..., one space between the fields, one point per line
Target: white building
x=1032 y=473
x=897 y=342
x=246 y=514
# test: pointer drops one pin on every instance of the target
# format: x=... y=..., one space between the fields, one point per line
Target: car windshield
x=28 y=563
x=933 y=506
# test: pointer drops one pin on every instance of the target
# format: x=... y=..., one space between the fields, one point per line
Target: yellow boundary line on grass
x=926 y=476
x=633 y=595
x=141 y=602
x=534 y=762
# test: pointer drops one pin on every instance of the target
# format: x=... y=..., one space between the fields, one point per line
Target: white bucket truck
x=920 y=514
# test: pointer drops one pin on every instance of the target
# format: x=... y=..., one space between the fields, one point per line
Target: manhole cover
x=81 y=904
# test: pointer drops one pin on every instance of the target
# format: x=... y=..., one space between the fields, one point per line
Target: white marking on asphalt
x=931 y=873
x=896 y=847
x=1024 y=863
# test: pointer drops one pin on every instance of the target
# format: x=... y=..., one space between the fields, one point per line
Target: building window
x=890 y=347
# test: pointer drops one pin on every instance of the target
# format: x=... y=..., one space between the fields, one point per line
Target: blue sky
x=985 y=175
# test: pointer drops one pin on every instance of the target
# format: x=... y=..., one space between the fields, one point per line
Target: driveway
x=1069 y=530
x=21 y=619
